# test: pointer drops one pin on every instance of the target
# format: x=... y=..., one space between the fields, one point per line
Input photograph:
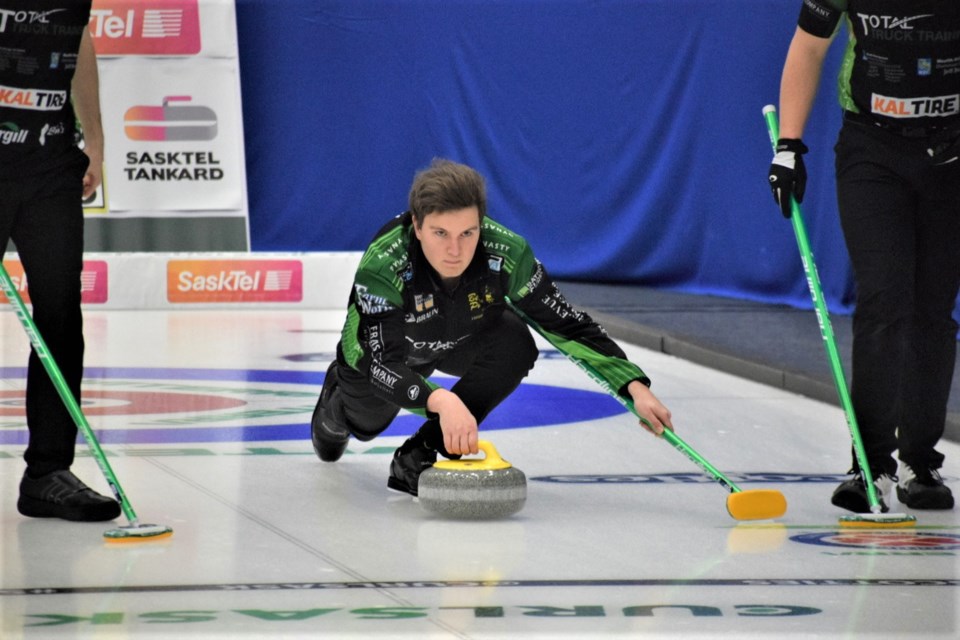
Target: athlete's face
x=449 y=240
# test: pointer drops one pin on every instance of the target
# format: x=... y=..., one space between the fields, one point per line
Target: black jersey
x=902 y=63
x=39 y=41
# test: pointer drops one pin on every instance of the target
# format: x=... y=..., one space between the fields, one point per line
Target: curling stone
x=473 y=489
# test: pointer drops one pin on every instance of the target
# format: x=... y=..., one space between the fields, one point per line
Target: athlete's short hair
x=445 y=186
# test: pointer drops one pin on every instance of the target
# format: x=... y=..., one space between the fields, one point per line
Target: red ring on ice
x=110 y=403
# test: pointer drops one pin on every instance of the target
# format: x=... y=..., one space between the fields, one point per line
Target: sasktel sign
x=145 y=27
x=213 y=281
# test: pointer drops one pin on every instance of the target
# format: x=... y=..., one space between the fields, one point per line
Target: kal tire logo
x=145 y=27
x=170 y=122
x=883 y=541
x=32 y=99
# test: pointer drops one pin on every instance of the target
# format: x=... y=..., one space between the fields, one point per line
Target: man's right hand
x=459 y=427
x=788 y=175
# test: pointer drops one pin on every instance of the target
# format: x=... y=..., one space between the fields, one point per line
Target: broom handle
x=826 y=329
x=56 y=377
x=676 y=441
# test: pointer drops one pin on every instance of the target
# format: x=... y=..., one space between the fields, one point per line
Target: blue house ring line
x=531 y=405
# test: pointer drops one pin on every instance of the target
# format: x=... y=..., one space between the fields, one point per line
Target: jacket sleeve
x=570 y=330
x=374 y=343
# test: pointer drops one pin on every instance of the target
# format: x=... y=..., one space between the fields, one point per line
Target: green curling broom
x=754 y=504
x=134 y=531
x=876 y=517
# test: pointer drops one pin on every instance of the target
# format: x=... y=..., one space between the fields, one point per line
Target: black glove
x=787 y=173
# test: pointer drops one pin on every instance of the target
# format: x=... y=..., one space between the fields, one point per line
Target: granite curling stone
x=473 y=489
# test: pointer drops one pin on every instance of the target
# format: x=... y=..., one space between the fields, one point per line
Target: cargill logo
x=10 y=133
x=216 y=281
x=145 y=27
x=93 y=281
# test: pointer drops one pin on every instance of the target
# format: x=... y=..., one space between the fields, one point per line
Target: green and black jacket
x=400 y=317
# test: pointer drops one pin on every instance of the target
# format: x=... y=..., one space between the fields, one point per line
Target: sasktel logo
x=93 y=281
x=145 y=27
x=173 y=120
x=200 y=281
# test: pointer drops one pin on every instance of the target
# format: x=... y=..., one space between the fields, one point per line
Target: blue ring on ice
x=531 y=405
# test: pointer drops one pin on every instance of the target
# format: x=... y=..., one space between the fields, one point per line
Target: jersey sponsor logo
x=534 y=281
x=369 y=303
x=817 y=9
x=491 y=245
x=417 y=318
x=559 y=305
x=386 y=378
x=922 y=107
x=495 y=263
x=489 y=225
x=387 y=253
x=32 y=99
x=434 y=345
x=413 y=392
x=146 y=27
x=50 y=131
x=11 y=133
x=423 y=302
x=473 y=300
x=39 y=20
x=888 y=23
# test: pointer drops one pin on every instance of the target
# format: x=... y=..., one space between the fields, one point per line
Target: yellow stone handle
x=490 y=462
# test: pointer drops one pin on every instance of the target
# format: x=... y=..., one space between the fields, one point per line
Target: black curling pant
x=43 y=215
x=901 y=220
x=490 y=366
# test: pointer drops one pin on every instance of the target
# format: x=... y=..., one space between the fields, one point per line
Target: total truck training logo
x=36 y=21
x=872 y=22
x=204 y=281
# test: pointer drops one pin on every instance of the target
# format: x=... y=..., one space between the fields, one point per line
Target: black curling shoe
x=852 y=494
x=923 y=488
x=62 y=495
x=406 y=467
x=329 y=438
x=329 y=441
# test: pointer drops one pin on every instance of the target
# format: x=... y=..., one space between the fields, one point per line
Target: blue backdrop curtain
x=624 y=139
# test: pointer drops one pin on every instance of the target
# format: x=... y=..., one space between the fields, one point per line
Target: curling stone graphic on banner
x=473 y=489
